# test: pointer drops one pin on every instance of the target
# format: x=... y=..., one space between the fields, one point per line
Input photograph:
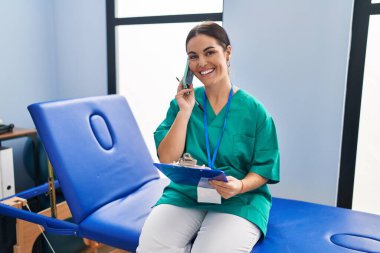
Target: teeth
x=207 y=71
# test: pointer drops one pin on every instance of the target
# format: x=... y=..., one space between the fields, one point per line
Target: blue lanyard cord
x=211 y=162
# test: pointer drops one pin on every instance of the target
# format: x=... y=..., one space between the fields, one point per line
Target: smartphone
x=187 y=76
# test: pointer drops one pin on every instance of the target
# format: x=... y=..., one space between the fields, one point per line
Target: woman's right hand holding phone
x=185 y=98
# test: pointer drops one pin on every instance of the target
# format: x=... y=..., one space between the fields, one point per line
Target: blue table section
x=110 y=184
x=296 y=226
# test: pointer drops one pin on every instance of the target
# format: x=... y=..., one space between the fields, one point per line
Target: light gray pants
x=171 y=229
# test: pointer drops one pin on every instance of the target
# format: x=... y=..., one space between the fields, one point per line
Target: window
x=141 y=8
x=367 y=169
x=146 y=52
x=360 y=166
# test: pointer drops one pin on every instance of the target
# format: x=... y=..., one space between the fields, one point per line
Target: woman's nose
x=202 y=62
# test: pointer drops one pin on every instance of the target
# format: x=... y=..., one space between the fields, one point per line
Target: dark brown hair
x=210 y=29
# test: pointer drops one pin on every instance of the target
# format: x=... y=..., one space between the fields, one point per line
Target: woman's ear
x=228 y=53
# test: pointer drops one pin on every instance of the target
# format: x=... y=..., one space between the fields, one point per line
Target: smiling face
x=208 y=60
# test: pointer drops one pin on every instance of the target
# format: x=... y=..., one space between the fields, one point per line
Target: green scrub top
x=249 y=144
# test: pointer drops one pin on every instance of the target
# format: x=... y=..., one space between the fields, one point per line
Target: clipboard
x=190 y=175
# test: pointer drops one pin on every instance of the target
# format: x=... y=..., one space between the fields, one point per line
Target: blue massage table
x=108 y=179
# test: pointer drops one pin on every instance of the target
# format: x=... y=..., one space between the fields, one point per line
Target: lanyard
x=211 y=162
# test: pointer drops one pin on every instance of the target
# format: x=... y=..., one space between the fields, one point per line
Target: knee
x=219 y=247
x=230 y=244
x=161 y=241
x=145 y=243
x=152 y=244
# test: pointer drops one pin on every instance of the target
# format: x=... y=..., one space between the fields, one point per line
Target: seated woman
x=232 y=132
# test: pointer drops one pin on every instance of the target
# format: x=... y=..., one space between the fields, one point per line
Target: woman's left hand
x=227 y=189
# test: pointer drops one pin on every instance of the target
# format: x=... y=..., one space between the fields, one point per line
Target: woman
x=232 y=133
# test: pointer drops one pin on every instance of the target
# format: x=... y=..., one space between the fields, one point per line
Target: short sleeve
x=164 y=127
x=266 y=156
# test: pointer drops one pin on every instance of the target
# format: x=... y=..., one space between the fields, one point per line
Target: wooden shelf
x=17 y=132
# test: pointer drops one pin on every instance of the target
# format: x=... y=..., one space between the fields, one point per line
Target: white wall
x=27 y=68
x=80 y=32
x=293 y=56
x=27 y=62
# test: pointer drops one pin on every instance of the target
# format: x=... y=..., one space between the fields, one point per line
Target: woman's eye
x=192 y=57
x=209 y=53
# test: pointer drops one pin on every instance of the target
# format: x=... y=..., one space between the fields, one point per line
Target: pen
x=198 y=104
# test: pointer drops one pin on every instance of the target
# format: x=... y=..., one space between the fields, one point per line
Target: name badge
x=206 y=193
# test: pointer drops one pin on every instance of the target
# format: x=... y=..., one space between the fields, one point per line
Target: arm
x=251 y=182
x=172 y=146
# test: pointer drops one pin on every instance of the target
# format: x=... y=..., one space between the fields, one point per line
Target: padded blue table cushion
x=120 y=222
x=110 y=184
x=301 y=227
x=96 y=149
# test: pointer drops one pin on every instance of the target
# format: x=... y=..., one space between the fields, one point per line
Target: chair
x=110 y=184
